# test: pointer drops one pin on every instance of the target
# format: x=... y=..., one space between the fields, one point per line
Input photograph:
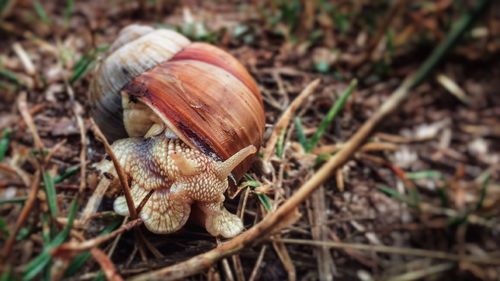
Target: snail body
x=184 y=117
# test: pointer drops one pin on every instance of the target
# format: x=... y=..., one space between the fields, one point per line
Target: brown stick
x=258 y=263
x=78 y=112
x=9 y=244
x=264 y=228
x=107 y=266
x=8 y=169
x=23 y=109
x=285 y=119
x=369 y=147
x=89 y=244
x=396 y=250
x=119 y=170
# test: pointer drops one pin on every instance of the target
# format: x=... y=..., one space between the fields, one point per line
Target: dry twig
x=256 y=268
x=106 y=264
x=77 y=247
x=397 y=250
x=119 y=170
x=78 y=112
x=28 y=120
x=30 y=202
x=285 y=118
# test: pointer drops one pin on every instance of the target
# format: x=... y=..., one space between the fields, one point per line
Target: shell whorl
x=137 y=49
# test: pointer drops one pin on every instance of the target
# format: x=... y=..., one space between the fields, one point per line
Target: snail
x=185 y=119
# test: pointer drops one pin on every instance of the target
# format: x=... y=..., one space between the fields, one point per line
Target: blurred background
x=429 y=178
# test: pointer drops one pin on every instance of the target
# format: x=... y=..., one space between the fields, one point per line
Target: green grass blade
x=265 y=200
x=484 y=190
x=414 y=197
x=332 y=113
x=4 y=143
x=81 y=67
x=37 y=265
x=7 y=274
x=40 y=11
x=23 y=233
x=299 y=129
x=390 y=191
x=41 y=261
x=47 y=229
x=82 y=258
x=321 y=158
x=443 y=197
x=50 y=190
x=9 y=76
x=429 y=174
x=3 y=5
x=280 y=144
x=451 y=39
x=413 y=200
x=73 y=170
x=68 y=11
x=71 y=217
x=100 y=276
x=4 y=230
x=77 y=263
x=251 y=183
x=14 y=200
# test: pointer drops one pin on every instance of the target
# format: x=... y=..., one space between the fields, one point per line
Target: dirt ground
x=420 y=201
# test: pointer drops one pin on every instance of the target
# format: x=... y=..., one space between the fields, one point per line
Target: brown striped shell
x=200 y=92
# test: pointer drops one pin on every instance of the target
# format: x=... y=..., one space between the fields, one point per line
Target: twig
x=284 y=120
x=369 y=147
x=227 y=270
x=256 y=268
x=453 y=88
x=238 y=268
x=8 y=169
x=396 y=250
x=78 y=111
x=54 y=150
x=142 y=239
x=119 y=170
x=76 y=247
x=94 y=201
x=28 y=120
x=397 y=139
x=317 y=217
x=117 y=239
x=124 y=184
x=28 y=205
x=285 y=259
x=396 y=8
x=272 y=221
x=339 y=180
x=24 y=58
x=106 y=264
x=24 y=176
x=424 y=272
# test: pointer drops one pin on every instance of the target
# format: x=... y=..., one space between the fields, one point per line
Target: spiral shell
x=200 y=92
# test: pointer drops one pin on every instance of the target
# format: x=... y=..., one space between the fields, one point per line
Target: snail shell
x=198 y=91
